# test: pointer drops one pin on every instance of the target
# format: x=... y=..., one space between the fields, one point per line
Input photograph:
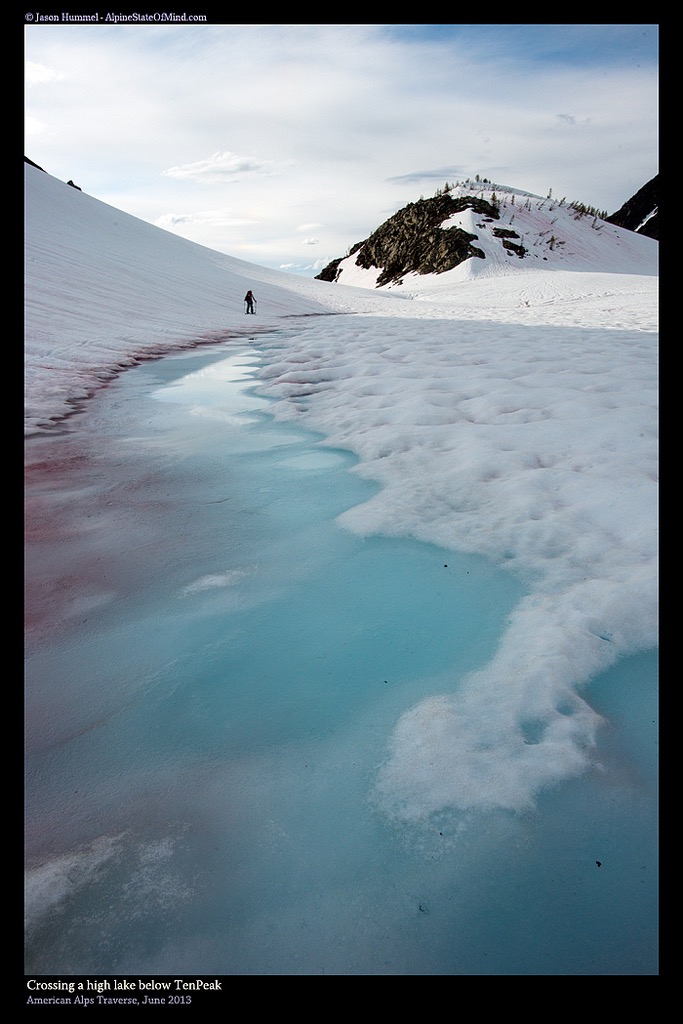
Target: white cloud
x=32 y=126
x=202 y=220
x=221 y=167
x=38 y=74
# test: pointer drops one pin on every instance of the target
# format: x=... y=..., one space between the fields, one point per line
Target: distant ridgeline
x=413 y=240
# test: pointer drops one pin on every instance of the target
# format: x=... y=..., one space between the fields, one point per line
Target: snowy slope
x=104 y=288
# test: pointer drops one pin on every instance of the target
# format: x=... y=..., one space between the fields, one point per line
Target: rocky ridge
x=424 y=237
x=641 y=212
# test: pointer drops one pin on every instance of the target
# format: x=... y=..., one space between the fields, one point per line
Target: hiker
x=249 y=299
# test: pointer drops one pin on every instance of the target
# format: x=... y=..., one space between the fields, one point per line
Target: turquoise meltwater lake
x=214 y=669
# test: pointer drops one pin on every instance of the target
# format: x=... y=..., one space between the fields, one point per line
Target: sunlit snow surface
x=447 y=768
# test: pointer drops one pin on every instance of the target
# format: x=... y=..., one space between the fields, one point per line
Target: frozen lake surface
x=214 y=672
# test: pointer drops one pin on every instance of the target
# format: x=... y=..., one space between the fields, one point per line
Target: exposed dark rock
x=331 y=271
x=74 y=186
x=519 y=249
x=27 y=161
x=641 y=212
x=413 y=241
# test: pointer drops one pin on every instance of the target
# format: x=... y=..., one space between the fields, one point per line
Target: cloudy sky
x=284 y=145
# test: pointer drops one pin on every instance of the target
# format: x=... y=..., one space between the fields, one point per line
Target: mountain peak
x=479 y=227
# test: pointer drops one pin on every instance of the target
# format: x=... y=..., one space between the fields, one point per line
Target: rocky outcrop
x=419 y=240
x=330 y=272
x=641 y=212
x=413 y=241
x=27 y=161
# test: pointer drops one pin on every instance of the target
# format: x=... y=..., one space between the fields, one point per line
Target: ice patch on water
x=84 y=604
x=48 y=885
x=217 y=580
x=514 y=728
x=453 y=754
x=154 y=886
